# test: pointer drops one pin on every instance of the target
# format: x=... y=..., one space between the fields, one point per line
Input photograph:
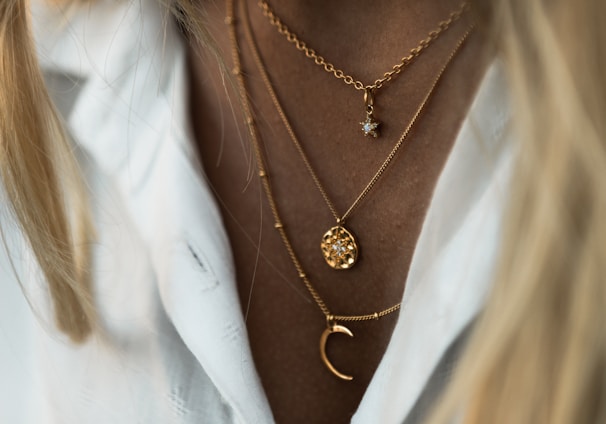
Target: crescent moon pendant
x=330 y=330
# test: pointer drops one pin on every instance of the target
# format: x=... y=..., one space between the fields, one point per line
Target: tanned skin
x=365 y=39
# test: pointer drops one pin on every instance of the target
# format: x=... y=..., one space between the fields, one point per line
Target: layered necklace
x=334 y=322
x=339 y=246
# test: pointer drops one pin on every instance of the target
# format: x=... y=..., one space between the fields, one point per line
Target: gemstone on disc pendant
x=339 y=248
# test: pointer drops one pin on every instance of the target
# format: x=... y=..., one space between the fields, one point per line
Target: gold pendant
x=370 y=126
x=333 y=328
x=339 y=248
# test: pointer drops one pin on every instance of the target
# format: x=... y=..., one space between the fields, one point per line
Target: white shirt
x=174 y=347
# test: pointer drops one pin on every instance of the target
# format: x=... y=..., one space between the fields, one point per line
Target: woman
x=197 y=311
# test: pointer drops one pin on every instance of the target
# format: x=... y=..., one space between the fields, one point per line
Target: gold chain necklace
x=332 y=320
x=339 y=246
x=370 y=126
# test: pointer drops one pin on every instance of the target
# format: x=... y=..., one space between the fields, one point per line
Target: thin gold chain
x=369 y=186
x=263 y=172
x=319 y=60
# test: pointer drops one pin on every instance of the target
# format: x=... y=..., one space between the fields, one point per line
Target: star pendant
x=370 y=127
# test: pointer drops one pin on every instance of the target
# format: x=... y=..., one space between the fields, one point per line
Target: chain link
x=300 y=45
x=369 y=186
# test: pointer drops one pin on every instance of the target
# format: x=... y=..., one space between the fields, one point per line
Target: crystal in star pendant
x=370 y=126
x=339 y=248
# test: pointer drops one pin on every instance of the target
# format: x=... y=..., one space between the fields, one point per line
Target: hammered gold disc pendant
x=339 y=248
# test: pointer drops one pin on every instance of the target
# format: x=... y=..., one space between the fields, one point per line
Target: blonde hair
x=538 y=353
x=40 y=176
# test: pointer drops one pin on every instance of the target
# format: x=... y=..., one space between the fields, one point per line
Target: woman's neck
x=363 y=38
